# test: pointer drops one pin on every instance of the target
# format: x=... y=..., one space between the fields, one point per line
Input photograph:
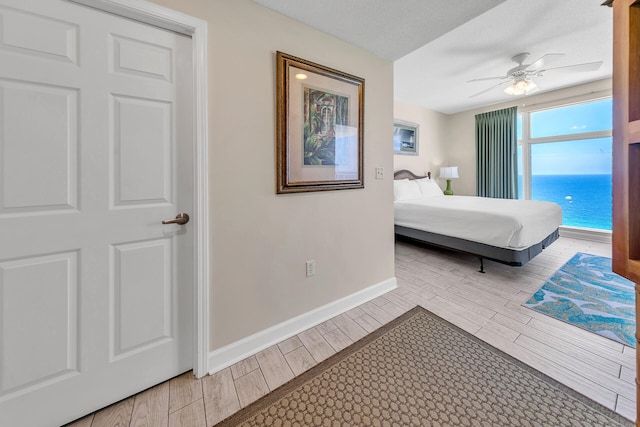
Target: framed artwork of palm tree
x=320 y=135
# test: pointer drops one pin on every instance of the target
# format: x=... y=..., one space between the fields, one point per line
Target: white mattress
x=497 y=222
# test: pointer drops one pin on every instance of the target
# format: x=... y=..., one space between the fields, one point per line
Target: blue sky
x=587 y=156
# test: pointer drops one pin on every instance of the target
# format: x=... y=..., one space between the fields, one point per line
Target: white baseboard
x=239 y=350
x=602 y=236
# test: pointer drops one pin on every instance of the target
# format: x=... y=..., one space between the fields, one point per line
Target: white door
x=96 y=150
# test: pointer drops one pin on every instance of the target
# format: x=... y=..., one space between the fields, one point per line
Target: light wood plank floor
x=448 y=284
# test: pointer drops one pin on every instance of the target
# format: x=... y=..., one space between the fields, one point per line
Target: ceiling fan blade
x=587 y=66
x=540 y=62
x=489 y=88
x=487 y=78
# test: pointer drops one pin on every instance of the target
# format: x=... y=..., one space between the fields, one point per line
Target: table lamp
x=449 y=173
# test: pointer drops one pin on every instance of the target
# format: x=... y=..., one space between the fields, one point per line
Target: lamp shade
x=449 y=172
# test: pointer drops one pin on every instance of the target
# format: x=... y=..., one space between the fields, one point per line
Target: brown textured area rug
x=420 y=370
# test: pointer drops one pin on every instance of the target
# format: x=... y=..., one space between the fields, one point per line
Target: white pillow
x=404 y=189
x=429 y=187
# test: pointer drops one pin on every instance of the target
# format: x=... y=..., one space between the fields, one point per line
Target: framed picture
x=320 y=127
x=405 y=138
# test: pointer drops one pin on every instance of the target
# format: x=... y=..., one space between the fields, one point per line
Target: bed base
x=512 y=257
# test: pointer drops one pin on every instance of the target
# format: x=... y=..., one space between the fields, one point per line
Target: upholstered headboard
x=405 y=174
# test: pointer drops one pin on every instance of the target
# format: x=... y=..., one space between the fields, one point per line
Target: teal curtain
x=497 y=154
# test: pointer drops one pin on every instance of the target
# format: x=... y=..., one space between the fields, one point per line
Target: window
x=564 y=156
x=520 y=172
x=573 y=119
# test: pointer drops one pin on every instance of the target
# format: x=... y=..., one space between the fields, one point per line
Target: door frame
x=159 y=16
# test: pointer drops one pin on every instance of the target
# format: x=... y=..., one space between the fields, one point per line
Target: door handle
x=181 y=219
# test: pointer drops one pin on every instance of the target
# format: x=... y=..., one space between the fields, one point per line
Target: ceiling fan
x=520 y=77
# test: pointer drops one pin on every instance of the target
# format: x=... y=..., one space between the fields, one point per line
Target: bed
x=511 y=232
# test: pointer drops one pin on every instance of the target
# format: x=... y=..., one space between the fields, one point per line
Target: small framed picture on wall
x=405 y=138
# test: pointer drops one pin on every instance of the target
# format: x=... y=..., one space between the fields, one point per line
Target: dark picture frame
x=405 y=138
x=320 y=127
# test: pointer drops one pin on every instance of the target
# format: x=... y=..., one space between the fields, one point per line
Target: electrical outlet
x=379 y=173
x=311 y=268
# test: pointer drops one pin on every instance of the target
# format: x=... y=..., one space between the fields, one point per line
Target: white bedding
x=497 y=222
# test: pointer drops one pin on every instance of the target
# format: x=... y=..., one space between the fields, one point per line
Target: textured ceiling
x=437 y=46
x=388 y=28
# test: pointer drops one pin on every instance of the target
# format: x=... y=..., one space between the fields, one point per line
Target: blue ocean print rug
x=586 y=293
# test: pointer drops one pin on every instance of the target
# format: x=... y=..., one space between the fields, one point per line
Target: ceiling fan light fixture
x=520 y=87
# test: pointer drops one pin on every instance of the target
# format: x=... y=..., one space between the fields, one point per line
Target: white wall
x=260 y=240
x=431 y=139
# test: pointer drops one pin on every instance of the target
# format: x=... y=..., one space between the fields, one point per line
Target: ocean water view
x=585 y=199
